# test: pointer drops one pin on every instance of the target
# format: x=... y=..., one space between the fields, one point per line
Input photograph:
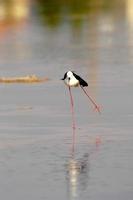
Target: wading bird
x=73 y=80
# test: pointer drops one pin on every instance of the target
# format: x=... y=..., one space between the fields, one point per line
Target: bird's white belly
x=72 y=82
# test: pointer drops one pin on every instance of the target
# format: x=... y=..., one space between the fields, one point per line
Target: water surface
x=47 y=39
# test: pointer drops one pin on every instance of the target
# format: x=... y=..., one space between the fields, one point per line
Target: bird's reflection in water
x=78 y=173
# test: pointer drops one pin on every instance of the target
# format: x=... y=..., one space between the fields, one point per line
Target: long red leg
x=72 y=108
x=73 y=119
x=92 y=101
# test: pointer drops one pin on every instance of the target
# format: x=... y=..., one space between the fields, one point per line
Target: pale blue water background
x=35 y=119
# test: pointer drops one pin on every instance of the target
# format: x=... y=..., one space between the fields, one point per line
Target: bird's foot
x=97 y=108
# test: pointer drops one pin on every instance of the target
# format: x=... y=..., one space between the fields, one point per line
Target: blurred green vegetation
x=52 y=12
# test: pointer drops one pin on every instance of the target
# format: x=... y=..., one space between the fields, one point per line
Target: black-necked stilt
x=73 y=80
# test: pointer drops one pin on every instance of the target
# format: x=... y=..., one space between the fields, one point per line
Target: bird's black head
x=65 y=75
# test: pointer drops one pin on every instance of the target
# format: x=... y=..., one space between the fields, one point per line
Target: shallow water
x=36 y=158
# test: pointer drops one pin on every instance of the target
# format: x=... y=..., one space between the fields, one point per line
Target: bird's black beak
x=62 y=79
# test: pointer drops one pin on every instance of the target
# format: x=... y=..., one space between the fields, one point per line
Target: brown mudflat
x=23 y=79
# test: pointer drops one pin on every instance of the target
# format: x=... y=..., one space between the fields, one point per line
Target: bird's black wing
x=81 y=81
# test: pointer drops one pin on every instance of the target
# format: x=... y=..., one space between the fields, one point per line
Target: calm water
x=47 y=39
